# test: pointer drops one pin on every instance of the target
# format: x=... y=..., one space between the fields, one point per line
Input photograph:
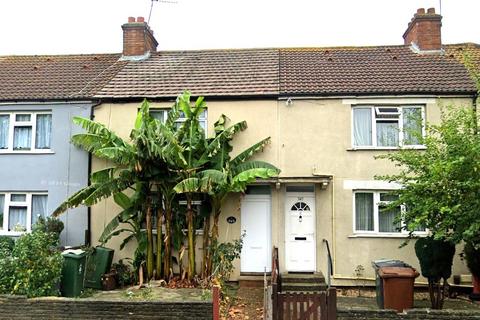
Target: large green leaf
x=249 y=152
x=109 y=229
x=93 y=127
x=251 y=175
x=122 y=200
x=255 y=165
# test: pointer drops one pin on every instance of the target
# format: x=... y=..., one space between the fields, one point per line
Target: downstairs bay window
x=19 y=211
x=372 y=217
x=387 y=126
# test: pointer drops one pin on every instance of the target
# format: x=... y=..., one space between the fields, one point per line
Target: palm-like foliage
x=136 y=165
x=159 y=161
x=225 y=175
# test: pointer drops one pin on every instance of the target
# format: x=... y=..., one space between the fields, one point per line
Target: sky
x=94 y=26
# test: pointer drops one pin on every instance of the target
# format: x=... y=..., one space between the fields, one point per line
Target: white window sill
x=386 y=235
x=386 y=148
x=27 y=152
x=12 y=233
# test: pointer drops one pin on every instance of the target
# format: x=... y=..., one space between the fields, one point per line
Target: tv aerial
x=161 y=1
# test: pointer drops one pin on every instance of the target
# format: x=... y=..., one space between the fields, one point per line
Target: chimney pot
x=420 y=11
x=131 y=19
x=431 y=10
x=140 y=19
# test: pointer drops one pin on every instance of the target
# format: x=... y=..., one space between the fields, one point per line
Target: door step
x=251 y=281
x=303 y=282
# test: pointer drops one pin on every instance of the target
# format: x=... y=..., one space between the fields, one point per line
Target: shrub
x=34 y=266
x=222 y=260
x=6 y=243
x=6 y=264
x=472 y=255
x=124 y=274
x=436 y=259
x=49 y=225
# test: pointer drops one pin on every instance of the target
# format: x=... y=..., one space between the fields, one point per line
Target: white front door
x=300 y=241
x=256 y=223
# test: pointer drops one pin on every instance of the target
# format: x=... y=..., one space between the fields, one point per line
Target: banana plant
x=136 y=164
x=225 y=175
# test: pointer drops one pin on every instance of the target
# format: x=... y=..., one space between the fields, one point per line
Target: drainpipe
x=88 y=233
x=474 y=106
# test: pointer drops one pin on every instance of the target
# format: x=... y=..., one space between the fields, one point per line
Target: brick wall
x=71 y=309
x=138 y=38
x=417 y=314
x=425 y=30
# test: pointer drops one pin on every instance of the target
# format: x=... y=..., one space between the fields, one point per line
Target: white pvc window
x=387 y=126
x=25 y=131
x=163 y=114
x=19 y=211
x=372 y=217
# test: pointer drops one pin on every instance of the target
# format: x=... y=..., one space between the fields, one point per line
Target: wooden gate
x=305 y=306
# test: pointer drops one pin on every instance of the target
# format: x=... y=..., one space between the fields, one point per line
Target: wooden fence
x=304 y=306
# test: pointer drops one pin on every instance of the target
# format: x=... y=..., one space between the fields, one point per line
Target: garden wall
x=422 y=314
x=64 y=308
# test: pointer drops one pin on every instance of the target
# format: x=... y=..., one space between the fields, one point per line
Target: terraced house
x=328 y=112
x=39 y=167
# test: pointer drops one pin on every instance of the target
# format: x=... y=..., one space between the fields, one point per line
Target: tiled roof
x=207 y=73
x=239 y=72
x=370 y=70
x=459 y=51
x=55 y=76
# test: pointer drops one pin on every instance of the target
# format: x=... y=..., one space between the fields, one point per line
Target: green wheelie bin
x=99 y=263
x=73 y=272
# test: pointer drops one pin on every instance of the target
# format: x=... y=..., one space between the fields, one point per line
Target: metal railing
x=330 y=264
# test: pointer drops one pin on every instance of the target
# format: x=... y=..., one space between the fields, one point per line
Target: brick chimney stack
x=424 y=31
x=138 y=39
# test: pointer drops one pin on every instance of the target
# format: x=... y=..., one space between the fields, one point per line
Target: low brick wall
x=65 y=308
x=417 y=314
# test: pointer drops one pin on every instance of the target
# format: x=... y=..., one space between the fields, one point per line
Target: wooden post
x=216 y=302
x=274 y=301
x=332 y=303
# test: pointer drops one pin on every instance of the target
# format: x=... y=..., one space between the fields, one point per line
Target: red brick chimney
x=138 y=39
x=424 y=30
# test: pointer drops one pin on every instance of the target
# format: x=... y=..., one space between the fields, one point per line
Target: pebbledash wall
x=311 y=136
x=58 y=172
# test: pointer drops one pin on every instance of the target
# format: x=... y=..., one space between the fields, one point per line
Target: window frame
x=27 y=203
x=373 y=109
x=182 y=119
x=376 y=218
x=13 y=123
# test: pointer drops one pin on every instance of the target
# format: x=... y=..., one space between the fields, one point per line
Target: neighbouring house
x=328 y=112
x=39 y=168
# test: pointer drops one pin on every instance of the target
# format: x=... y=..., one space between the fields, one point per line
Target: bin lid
x=398 y=272
x=73 y=253
x=376 y=264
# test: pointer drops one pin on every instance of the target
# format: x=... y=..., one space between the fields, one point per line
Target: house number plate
x=231 y=220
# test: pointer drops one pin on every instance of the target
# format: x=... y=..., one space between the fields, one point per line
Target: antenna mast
x=151 y=7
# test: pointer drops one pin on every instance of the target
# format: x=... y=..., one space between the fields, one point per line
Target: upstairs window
x=162 y=116
x=25 y=131
x=387 y=126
